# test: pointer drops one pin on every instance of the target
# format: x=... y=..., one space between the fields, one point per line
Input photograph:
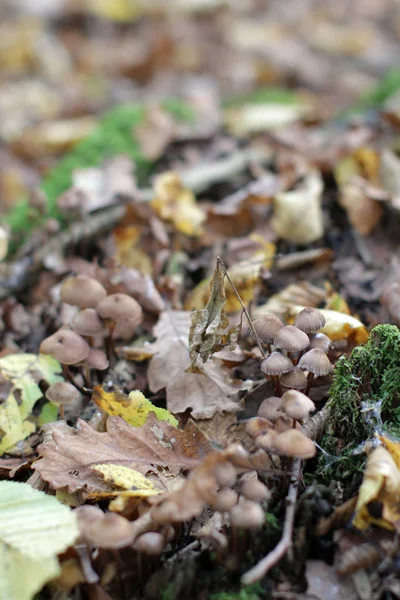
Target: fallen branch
x=269 y=561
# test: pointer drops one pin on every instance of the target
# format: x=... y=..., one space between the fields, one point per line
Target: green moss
x=265 y=95
x=250 y=592
x=114 y=135
x=364 y=397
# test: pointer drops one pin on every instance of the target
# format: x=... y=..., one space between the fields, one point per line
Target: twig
x=246 y=312
x=269 y=561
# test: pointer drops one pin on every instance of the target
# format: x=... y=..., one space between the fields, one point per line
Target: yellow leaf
x=34 y=528
x=174 y=203
x=381 y=484
x=392 y=447
x=339 y=326
x=12 y=428
x=127 y=479
x=133 y=408
x=121 y=11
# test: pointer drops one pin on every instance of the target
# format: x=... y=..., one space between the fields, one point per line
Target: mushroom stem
x=62 y=412
x=277 y=385
x=110 y=341
x=68 y=375
x=310 y=379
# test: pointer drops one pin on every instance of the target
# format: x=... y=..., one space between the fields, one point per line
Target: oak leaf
x=68 y=456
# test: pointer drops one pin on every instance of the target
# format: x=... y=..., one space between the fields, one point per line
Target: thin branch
x=246 y=312
x=269 y=561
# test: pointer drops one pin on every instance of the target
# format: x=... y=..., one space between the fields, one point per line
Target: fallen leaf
x=34 y=528
x=224 y=429
x=127 y=252
x=68 y=455
x=297 y=214
x=340 y=326
x=381 y=485
x=208 y=333
x=155 y=132
x=23 y=372
x=253 y=118
x=134 y=409
x=136 y=484
x=177 y=204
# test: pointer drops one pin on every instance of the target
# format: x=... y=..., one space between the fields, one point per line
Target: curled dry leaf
x=298 y=214
x=68 y=456
x=208 y=333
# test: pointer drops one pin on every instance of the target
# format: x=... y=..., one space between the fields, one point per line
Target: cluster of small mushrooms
x=100 y=319
x=297 y=354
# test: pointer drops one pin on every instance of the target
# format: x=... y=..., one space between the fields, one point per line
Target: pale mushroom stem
x=110 y=342
x=62 y=412
x=310 y=379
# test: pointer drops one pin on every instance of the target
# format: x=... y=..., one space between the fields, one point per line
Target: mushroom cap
x=284 y=423
x=165 y=513
x=151 y=543
x=291 y=338
x=309 y=320
x=270 y=408
x=97 y=359
x=266 y=440
x=87 y=322
x=266 y=327
x=62 y=392
x=87 y=515
x=66 y=346
x=257 y=425
x=113 y=531
x=225 y=474
x=316 y=361
x=297 y=405
x=276 y=364
x=254 y=490
x=294 y=443
x=247 y=515
x=322 y=341
x=82 y=291
x=224 y=500
x=119 y=308
x=295 y=379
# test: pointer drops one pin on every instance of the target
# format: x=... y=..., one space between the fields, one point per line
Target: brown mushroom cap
x=297 y=405
x=68 y=347
x=266 y=327
x=294 y=443
x=322 y=341
x=113 y=531
x=291 y=338
x=309 y=320
x=254 y=490
x=257 y=425
x=62 y=392
x=284 y=423
x=151 y=543
x=119 y=308
x=247 y=515
x=295 y=379
x=87 y=322
x=270 y=408
x=266 y=440
x=165 y=513
x=316 y=361
x=225 y=474
x=97 y=359
x=276 y=364
x=224 y=500
x=82 y=291
x=87 y=515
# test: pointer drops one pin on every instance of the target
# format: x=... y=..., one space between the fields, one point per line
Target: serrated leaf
x=134 y=409
x=34 y=528
x=24 y=372
x=130 y=480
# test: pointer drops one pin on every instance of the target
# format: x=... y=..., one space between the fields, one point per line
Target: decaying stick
x=269 y=561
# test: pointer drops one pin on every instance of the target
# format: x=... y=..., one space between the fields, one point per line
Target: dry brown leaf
x=67 y=457
x=155 y=132
x=224 y=429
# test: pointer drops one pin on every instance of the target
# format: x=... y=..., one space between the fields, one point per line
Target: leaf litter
x=210 y=211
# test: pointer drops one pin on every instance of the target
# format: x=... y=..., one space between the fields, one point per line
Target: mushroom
x=322 y=341
x=294 y=443
x=257 y=425
x=68 y=347
x=247 y=515
x=266 y=327
x=316 y=362
x=291 y=339
x=284 y=423
x=165 y=513
x=295 y=379
x=225 y=474
x=274 y=365
x=270 y=408
x=82 y=291
x=112 y=531
x=87 y=322
x=118 y=309
x=97 y=359
x=309 y=320
x=254 y=490
x=61 y=393
x=151 y=543
x=224 y=500
x=296 y=405
x=266 y=440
